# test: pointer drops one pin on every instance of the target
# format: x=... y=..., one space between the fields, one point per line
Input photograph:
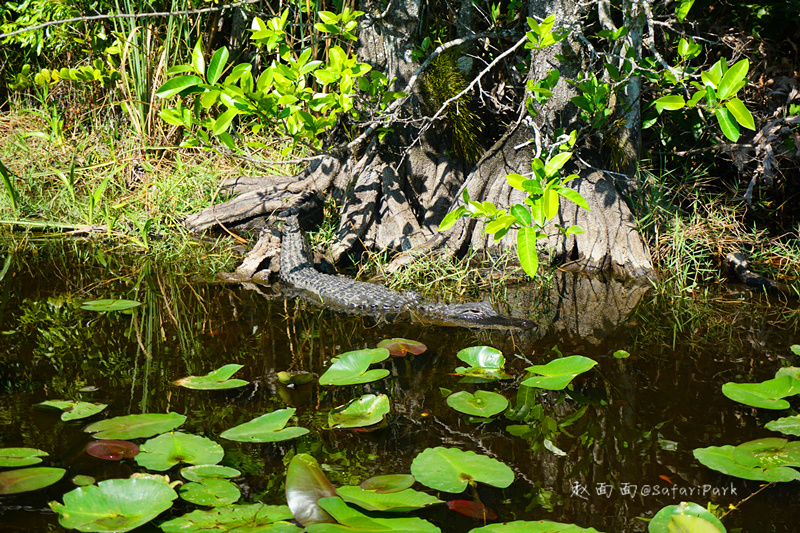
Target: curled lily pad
x=388 y=483
x=216 y=380
x=266 y=428
x=74 y=410
x=351 y=368
x=361 y=412
x=306 y=484
x=114 y=504
x=165 y=451
x=485 y=363
x=400 y=347
x=482 y=403
x=112 y=450
x=28 y=479
x=451 y=469
x=135 y=426
x=20 y=456
x=557 y=374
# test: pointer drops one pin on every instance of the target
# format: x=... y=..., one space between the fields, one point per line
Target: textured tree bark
x=394 y=193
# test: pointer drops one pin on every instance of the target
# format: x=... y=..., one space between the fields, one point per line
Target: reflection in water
x=627 y=428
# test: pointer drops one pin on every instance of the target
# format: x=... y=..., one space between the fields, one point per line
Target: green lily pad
x=351 y=368
x=788 y=425
x=82 y=480
x=20 y=456
x=74 y=410
x=557 y=374
x=688 y=517
x=239 y=518
x=135 y=426
x=28 y=479
x=388 y=483
x=485 y=363
x=210 y=492
x=403 y=501
x=792 y=371
x=400 y=347
x=215 y=380
x=451 y=469
x=482 y=403
x=266 y=428
x=114 y=504
x=539 y=526
x=351 y=519
x=766 y=395
x=767 y=453
x=721 y=459
x=202 y=472
x=165 y=451
x=361 y=412
x=106 y=305
x=306 y=484
x=622 y=354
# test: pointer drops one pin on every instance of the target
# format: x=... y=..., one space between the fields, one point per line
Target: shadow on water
x=615 y=448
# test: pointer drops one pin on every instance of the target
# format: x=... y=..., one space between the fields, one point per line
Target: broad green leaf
x=351 y=519
x=217 y=65
x=165 y=451
x=203 y=472
x=788 y=425
x=740 y=113
x=721 y=459
x=621 y=354
x=365 y=411
x=766 y=395
x=671 y=102
x=14 y=457
x=685 y=518
x=266 y=428
x=135 y=426
x=253 y=518
x=306 y=484
x=767 y=453
x=550 y=202
x=178 y=84
x=210 y=492
x=198 y=61
x=388 y=483
x=538 y=526
x=555 y=163
x=732 y=78
x=574 y=196
x=522 y=214
x=683 y=9
x=214 y=380
x=526 y=250
x=557 y=374
x=109 y=305
x=727 y=124
x=223 y=121
x=114 y=504
x=351 y=369
x=451 y=469
x=482 y=357
x=500 y=223
x=403 y=501
x=28 y=479
x=516 y=180
x=74 y=410
x=483 y=403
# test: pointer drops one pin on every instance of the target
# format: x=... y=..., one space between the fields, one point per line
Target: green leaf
x=388 y=483
x=727 y=124
x=451 y=469
x=522 y=214
x=451 y=218
x=253 y=518
x=557 y=374
x=327 y=17
x=217 y=65
x=555 y=163
x=351 y=519
x=766 y=395
x=403 y=501
x=74 y=410
x=683 y=9
x=621 y=354
x=788 y=425
x=767 y=453
x=266 y=428
x=351 y=369
x=740 y=113
x=223 y=121
x=202 y=472
x=306 y=484
x=733 y=77
x=103 y=306
x=214 y=380
x=516 y=181
x=539 y=526
x=135 y=426
x=721 y=459
x=28 y=479
x=211 y=492
x=501 y=223
x=526 y=250
x=573 y=196
x=685 y=518
x=671 y=102
x=114 y=504
x=165 y=451
x=198 y=61
x=483 y=403
x=14 y=457
x=367 y=410
x=177 y=85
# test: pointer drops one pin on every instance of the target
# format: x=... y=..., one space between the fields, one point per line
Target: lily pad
x=135 y=426
x=351 y=519
x=20 y=456
x=266 y=428
x=400 y=347
x=721 y=459
x=306 y=484
x=767 y=453
x=557 y=374
x=766 y=395
x=472 y=509
x=215 y=380
x=82 y=480
x=485 y=363
x=482 y=403
x=74 y=410
x=622 y=354
x=788 y=425
x=165 y=451
x=451 y=469
x=240 y=518
x=114 y=504
x=112 y=450
x=539 y=526
x=688 y=517
x=792 y=371
x=28 y=479
x=403 y=501
x=361 y=412
x=210 y=492
x=388 y=483
x=202 y=472
x=351 y=368
x=106 y=305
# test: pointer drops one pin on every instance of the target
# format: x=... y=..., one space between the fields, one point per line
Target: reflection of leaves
x=388 y=483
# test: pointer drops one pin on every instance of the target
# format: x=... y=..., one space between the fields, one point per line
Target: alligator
x=349 y=295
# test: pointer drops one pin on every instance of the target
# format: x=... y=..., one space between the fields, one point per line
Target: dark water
x=641 y=419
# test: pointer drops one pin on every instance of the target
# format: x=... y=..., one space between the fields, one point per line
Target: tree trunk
x=394 y=193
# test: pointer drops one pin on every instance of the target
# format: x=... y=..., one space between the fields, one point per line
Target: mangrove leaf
x=402 y=501
x=767 y=394
x=482 y=403
x=28 y=479
x=239 y=518
x=135 y=426
x=165 y=451
x=351 y=368
x=557 y=374
x=266 y=428
x=13 y=457
x=365 y=411
x=451 y=469
x=74 y=410
x=215 y=380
